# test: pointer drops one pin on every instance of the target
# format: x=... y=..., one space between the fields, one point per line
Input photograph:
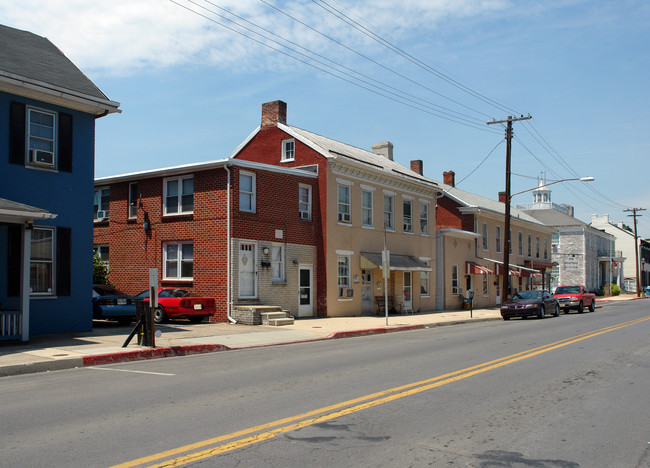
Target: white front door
x=306 y=291
x=366 y=292
x=247 y=272
x=408 y=301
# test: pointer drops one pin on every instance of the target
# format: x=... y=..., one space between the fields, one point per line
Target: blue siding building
x=48 y=109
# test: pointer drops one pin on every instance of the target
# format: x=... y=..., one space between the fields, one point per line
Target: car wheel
x=506 y=317
x=159 y=315
x=592 y=307
x=557 y=310
x=196 y=318
x=542 y=312
x=581 y=307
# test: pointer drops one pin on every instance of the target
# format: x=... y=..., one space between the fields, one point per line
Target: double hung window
x=454 y=279
x=343 y=275
x=41 y=131
x=424 y=218
x=102 y=203
x=179 y=195
x=247 y=192
x=304 y=202
x=178 y=260
x=343 y=203
x=366 y=208
x=41 y=268
x=288 y=150
x=133 y=200
x=498 y=238
x=388 y=212
x=407 y=206
x=277 y=263
x=485 y=237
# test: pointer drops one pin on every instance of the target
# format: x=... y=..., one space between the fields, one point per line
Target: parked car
x=178 y=303
x=526 y=303
x=110 y=303
x=576 y=297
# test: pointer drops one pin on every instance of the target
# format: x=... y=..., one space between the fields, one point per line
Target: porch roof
x=15 y=212
x=397 y=262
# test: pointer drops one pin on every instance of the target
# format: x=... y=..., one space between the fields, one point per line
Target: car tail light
x=185 y=302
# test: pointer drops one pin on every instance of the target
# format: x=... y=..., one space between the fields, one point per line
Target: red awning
x=475 y=269
x=512 y=272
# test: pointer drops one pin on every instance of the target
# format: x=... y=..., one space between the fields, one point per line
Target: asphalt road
x=560 y=392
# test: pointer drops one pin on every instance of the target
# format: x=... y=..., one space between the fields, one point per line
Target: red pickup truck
x=576 y=297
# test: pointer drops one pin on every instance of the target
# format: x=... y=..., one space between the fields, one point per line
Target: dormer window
x=288 y=150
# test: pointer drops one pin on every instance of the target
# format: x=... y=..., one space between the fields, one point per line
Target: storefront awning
x=472 y=268
x=372 y=260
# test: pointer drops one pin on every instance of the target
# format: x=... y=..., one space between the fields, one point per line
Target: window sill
x=176 y=215
x=345 y=299
x=278 y=282
x=42 y=296
x=410 y=233
x=178 y=280
x=287 y=160
x=368 y=227
x=340 y=223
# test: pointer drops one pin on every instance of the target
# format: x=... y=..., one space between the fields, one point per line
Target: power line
x=481 y=163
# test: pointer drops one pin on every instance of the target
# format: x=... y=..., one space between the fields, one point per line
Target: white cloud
x=123 y=37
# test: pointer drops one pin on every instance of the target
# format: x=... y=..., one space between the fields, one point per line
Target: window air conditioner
x=344 y=217
x=40 y=157
x=101 y=215
x=304 y=215
x=346 y=292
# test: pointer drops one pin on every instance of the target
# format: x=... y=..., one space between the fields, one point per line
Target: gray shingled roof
x=29 y=57
x=555 y=218
x=333 y=149
x=12 y=208
x=469 y=199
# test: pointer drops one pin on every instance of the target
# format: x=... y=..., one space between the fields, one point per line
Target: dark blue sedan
x=110 y=303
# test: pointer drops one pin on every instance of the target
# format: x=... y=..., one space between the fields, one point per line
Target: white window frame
x=179 y=260
x=44 y=261
x=179 y=202
x=486 y=285
x=343 y=280
x=288 y=150
x=389 y=212
x=424 y=281
x=454 y=280
x=133 y=201
x=278 y=264
x=367 y=218
x=250 y=195
x=30 y=159
x=486 y=244
x=424 y=218
x=99 y=203
x=304 y=202
x=407 y=220
x=343 y=210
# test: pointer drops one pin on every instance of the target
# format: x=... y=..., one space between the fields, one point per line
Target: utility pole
x=636 y=248
x=506 y=250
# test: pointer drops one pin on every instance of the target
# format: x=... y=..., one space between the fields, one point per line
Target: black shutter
x=63 y=261
x=65 y=142
x=17 y=133
x=14 y=259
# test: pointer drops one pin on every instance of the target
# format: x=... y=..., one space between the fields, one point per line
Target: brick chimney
x=384 y=149
x=417 y=166
x=502 y=197
x=449 y=178
x=274 y=112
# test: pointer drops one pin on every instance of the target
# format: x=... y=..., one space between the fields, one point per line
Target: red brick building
x=182 y=219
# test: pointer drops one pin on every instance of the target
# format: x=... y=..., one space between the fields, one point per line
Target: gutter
x=228 y=248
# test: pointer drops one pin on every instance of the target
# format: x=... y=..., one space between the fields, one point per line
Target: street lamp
x=506 y=250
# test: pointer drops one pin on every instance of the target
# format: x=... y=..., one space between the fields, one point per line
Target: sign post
x=153 y=303
x=385 y=266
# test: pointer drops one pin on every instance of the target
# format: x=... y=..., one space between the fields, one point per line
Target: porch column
x=24 y=284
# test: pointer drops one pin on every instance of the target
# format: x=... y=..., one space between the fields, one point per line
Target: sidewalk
x=103 y=345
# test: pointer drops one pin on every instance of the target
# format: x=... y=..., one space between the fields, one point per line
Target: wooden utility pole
x=506 y=250
x=636 y=248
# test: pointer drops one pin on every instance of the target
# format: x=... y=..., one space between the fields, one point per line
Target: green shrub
x=100 y=272
x=615 y=289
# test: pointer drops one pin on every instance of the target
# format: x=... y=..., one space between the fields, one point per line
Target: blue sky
x=191 y=90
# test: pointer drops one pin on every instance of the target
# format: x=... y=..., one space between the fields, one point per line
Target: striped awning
x=473 y=268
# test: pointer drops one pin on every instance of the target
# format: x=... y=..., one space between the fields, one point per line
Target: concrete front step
x=276 y=322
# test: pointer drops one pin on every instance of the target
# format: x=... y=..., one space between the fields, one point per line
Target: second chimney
x=384 y=149
x=274 y=112
x=417 y=166
x=449 y=178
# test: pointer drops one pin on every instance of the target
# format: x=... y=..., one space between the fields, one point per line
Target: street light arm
x=581 y=179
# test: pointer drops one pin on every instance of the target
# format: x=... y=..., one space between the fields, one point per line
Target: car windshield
x=108 y=291
x=528 y=295
x=567 y=290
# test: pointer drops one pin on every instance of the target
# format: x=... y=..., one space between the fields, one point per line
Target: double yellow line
x=270 y=430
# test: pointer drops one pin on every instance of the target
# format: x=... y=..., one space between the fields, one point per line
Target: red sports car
x=175 y=303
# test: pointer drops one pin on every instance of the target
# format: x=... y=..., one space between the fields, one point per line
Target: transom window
x=41 y=137
x=179 y=195
x=288 y=150
x=344 y=203
x=178 y=260
x=247 y=192
x=41 y=271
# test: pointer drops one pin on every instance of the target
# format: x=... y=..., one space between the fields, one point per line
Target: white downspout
x=228 y=248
